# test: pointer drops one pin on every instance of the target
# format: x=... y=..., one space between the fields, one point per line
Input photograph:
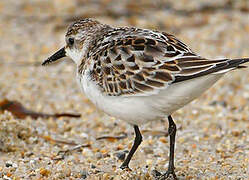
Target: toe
x=125 y=168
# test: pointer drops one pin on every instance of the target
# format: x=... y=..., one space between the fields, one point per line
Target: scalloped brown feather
x=132 y=61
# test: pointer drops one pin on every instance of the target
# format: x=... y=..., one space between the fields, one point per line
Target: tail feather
x=237 y=62
x=219 y=68
x=241 y=67
x=230 y=65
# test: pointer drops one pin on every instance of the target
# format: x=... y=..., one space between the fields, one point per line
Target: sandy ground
x=212 y=137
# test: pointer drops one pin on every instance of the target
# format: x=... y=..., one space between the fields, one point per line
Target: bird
x=139 y=75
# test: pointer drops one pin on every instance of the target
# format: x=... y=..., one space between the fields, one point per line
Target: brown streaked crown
x=79 y=26
x=81 y=37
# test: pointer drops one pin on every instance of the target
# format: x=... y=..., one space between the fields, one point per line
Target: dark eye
x=71 y=41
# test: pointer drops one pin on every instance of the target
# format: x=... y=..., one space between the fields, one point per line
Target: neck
x=94 y=40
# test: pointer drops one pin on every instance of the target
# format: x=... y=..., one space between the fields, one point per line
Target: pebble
x=8 y=164
x=44 y=172
x=120 y=155
x=99 y=155
x=148 y=150
x=6 y=178
x=93 y=166
x=83 y=174
x=149 y=162
x=87 y=152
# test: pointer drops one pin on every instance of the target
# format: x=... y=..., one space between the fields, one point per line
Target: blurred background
x=31 y=28
x=212 y=142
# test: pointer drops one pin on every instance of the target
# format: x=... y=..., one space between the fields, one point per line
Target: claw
x=125 y=168
x=168 y=176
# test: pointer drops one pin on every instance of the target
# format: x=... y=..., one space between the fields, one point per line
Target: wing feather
x=142 y=64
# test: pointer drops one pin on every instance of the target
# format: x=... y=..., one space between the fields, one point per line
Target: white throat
x=75 y=54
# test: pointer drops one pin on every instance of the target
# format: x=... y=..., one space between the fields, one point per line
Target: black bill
x=56 y=56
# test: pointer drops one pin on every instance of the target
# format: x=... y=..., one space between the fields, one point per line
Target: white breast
x=142 y=109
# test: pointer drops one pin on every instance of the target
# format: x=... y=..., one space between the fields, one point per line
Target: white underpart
x=142 y=109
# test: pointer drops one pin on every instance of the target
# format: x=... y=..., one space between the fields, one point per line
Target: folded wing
x=143 y=65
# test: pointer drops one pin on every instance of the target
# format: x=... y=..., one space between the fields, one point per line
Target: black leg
x=172 y=134
x=137 y=142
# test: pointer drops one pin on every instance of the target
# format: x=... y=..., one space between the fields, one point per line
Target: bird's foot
x=167 y=176
x=125 y=167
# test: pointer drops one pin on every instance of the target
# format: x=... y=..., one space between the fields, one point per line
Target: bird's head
x=79 y=36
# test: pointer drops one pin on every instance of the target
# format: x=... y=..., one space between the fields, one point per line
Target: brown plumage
x=130 y=61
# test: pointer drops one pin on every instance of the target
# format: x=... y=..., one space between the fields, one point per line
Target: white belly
x=142 y=109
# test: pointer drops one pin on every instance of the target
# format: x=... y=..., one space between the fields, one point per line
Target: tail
x=229 y=65
x=214 y=67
